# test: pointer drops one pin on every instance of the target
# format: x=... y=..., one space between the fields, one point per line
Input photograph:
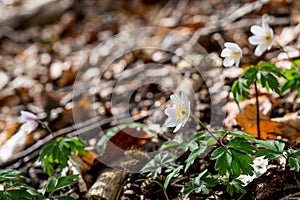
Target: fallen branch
x=74 y=130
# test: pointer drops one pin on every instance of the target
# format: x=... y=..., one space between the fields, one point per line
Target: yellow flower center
x=268 y=38
x=180 y=112
x=235 y=54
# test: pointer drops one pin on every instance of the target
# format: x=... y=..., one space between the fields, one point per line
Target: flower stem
x=45 y=125
x=205 y=127
x=257 y=110
x=164 y=190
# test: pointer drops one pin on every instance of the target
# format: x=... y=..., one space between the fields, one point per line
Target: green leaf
x=187 y=189
x=177 y=141
x=242 y=134
x=59 y=182
x=154 y=166
x=294 y=163
x=235 y=186
x=202 y=183
x=223 y=160
x=241 y=163
x=292 y=80
x=58 y=151
x=270 y=148
x=65 y=181
x=174 y=172
x=242 y=145
x=193 y=155
x=19 y=194
x=240 y=89
x=9 y=174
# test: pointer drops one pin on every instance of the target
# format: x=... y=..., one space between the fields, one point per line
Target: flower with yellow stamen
x=263 y=37
x=232 y=54
x=179 y=113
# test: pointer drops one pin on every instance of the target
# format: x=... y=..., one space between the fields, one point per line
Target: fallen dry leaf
x=125 y=139
x=268 y=128
x=266 y=103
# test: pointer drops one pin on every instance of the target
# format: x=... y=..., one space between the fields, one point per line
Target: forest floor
x=87 y=66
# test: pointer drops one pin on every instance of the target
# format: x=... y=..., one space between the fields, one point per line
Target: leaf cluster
x=273 y=149
x=58 y=152
x=201 y=183
x=292 y=78
x=235 y=159
x=57 y=183
x=264 y=73
x=11 y=189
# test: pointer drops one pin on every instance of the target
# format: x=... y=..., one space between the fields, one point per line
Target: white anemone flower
x=232 y=53
x=179 y=113
x=31 y=121
x=260 y=166
x=263 y=37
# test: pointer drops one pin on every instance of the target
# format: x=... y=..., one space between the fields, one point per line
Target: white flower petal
x=228 y=62
x=170 y=111
x=255 y=40
x=257 y=30
x=233 y=46
x=259 y=50
x=265 y=25
x=177 y=127
x=28 y=116
x=184 y=99
x=225 y=52
x=179 y=113
x=175 y=99
x=171 y=122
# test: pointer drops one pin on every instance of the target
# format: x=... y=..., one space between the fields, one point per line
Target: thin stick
x=257 y=110
x=83 y=127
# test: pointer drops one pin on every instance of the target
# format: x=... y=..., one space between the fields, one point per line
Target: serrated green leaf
x=171 y=175
x=223 y=161
x=201 y=183
x=65 y=181
x=242 y=134
x=273 y=145
x=241 y=163
x=235 y=186
x=187 y=189
x=217 y=153
x=242 y=145
x=269 y=148
x=294 y=163
x=193 y=156
x=59 y=152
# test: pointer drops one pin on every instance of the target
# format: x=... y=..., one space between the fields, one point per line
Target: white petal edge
x=255 y=40
x=257 y=30
x=175 y=99
x=228 y=62
x=170 y=111
x=259 y=50
x=225 y=52
x=233 y=46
